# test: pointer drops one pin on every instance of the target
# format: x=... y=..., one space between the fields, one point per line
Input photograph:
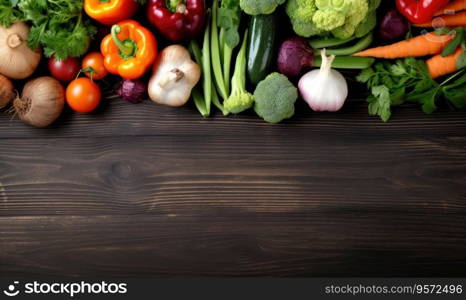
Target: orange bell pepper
x=130 y=50
x=109 y=12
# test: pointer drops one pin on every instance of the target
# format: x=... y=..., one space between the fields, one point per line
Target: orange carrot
x=458 y=19
x=422 y=45
x=452 y=7
x=439 y=65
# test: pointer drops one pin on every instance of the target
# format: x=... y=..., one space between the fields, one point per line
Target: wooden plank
x=147 y=190
x=198 y=174
x=120 y=118
x=323 y=243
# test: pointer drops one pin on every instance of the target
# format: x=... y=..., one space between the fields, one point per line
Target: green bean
x=227 y=55
x=195 y=52
x=221 y=42
x=199 y=102
x=347 y=62
x=206 y=70
x=453 y=45
x=216 y=100
x=325 y=42
x=362 y=44
x=215 y=51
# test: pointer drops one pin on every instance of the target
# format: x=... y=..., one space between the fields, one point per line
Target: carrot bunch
x=452 y=15
x=448 y=49
x=452 y=7
x=442 y=63
x=422 y=45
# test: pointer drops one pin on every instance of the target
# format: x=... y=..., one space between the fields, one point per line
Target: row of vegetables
x=233 y=55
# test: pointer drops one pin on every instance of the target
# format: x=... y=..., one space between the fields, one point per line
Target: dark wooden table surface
x=149 y=190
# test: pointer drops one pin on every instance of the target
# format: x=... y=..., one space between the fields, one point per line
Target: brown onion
x=17 y=61
x=41 y=102
x=7 y=91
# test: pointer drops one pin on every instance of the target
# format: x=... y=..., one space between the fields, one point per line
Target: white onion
x=325 y=89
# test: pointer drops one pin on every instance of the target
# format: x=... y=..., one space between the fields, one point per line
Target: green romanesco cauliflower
x=275 y=97
x=328 y=19
x=315 y=17
x=356 y=15
x=370 y=21
x=259 y=7
x=302 y=12
x=239 y=99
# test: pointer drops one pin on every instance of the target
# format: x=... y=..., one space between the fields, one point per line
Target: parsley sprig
x=229 y=17
x=9 y=12
x=408 y=80
x=56 y=25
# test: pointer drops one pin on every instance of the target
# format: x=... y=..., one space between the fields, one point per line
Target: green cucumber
x=261 y=46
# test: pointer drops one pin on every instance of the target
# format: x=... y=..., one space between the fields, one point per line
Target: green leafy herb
x=229 y=17
x=379 y=102
x=455 y=93
x=461 y=63
x=453 y=45
x=9 y=12
x=409 y=80
x=56 y=25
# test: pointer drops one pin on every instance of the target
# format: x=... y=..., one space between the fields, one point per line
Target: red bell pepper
x=420 y=11
x=177 y=20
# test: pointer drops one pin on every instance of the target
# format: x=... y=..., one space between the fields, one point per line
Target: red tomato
x=94 y=61
x=64 y=70
x=83 y=95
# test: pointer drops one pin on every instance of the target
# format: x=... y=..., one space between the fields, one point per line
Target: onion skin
x=394 y=26
x=17 y=61
x=41 y=102
x=134 y=91
x=7 y=91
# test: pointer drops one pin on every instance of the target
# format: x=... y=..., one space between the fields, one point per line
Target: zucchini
x=261 y=46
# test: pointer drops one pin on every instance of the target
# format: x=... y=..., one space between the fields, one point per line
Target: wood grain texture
x=148 y=190
x=117 y=118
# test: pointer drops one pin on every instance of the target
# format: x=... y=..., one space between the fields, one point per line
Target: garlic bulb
x=325 y=89
x=174 y=77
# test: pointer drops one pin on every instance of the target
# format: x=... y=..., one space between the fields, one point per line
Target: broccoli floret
x=314 y=17
x=258 y=7
x=275 y=97
x=239 y=99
